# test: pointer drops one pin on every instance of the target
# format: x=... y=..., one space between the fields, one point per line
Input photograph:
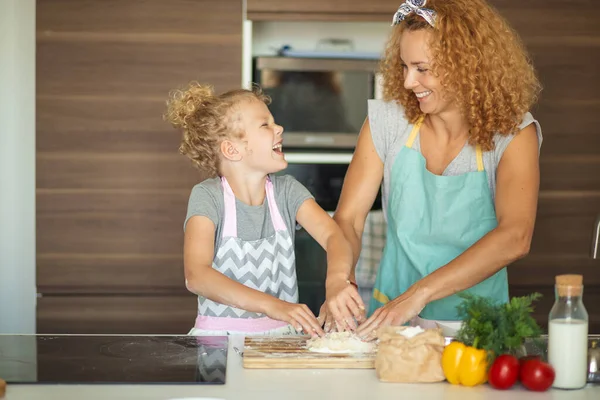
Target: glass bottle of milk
x=568 y=333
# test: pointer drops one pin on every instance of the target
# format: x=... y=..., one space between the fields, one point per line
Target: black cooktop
x=89 y=359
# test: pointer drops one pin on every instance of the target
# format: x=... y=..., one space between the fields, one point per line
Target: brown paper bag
x=409 y=360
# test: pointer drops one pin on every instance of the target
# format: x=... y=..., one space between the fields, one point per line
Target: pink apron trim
x=238 y=324
x=276 y=218
x=230 y=219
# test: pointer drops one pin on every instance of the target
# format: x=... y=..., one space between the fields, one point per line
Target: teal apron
x=431 y=220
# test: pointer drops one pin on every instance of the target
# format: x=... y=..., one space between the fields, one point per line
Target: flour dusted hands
x=297 y=315
x=326 y=319
x=344 y=304
x=397 y=312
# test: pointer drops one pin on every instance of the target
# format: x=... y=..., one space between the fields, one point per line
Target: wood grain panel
x=112 y=189
x=116 y=125
x=116 y=314
x=564 y=224
x=150 y=274
x=104 y=71
x=541 y=269
x=569 y=172
x=135 y=69
x=109 y=233
x=576 y=135
x=539 y=19
x=173 y=171
x=565 y=234
x=126 y=16
x=296 y=16
x=384 y=6
x=329 y=6
x=104 y=125
x=83 y=202
x=100 y=231
x=146 y=223
x=558 y=65
x=135 y=171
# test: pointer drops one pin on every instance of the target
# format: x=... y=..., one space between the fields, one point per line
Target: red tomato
x=504 y=372
x=536 y=375
x=529 y=357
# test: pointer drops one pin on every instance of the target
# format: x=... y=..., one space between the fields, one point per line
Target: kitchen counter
x=250 y=384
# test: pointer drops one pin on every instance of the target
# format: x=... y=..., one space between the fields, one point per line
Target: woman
x=457 y=151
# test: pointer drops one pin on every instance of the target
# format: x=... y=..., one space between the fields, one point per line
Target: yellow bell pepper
x=464 y=365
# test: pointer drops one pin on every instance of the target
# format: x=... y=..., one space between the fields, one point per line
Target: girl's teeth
x=421 y=95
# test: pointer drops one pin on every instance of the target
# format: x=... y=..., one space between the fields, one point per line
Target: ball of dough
x=340 y=342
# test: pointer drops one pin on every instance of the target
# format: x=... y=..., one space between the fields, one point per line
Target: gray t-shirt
x=390 y=130
x=253 y=222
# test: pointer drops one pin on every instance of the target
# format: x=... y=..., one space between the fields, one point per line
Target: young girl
x=239 y=230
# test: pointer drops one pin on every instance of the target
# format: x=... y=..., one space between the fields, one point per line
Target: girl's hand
x=397 y=312
x=325 y=319
x=297 y=315
x=344 y=304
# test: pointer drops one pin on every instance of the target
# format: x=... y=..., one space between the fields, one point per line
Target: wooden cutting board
x=291 y=352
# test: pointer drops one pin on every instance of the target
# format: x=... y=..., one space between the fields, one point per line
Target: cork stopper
x=569 y=285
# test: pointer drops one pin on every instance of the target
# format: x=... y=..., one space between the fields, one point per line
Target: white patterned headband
x=416 y=6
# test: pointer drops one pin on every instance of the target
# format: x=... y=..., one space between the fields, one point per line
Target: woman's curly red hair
x=481 y=63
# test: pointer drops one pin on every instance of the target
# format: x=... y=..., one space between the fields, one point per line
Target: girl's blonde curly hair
x=481 y=62
x=206 y=119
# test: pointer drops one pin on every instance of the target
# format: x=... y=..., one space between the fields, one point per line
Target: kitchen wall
x=568 y=201
x=17 y=166
x=17 y=134
x=112 y=189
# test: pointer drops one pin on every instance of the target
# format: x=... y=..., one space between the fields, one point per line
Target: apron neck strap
x=415 y=131
x=479 y=155
x=230 y=218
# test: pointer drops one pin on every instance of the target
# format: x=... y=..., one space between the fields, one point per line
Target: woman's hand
x=297 y=315
x=344 y=304
x=397 y=312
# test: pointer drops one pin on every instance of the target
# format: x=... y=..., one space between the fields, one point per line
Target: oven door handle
x=318 y=158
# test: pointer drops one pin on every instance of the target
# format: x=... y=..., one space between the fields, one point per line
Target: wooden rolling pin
x=2 y=388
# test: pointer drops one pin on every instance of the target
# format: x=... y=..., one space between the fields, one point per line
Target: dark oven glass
x=319 y=103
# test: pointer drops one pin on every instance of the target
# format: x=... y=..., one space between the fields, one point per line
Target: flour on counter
x=340 y=342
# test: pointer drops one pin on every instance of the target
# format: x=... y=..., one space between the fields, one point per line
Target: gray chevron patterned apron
x=266 y=264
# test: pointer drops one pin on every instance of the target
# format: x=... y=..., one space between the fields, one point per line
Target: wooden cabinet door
x=89 y=314
x=327 y=10
x=562 y=40
x=112 y=188
x=323 y=6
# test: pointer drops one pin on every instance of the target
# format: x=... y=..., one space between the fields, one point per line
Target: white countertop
x=288 y=384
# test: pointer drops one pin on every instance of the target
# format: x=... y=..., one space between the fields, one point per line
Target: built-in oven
x=320 y=102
